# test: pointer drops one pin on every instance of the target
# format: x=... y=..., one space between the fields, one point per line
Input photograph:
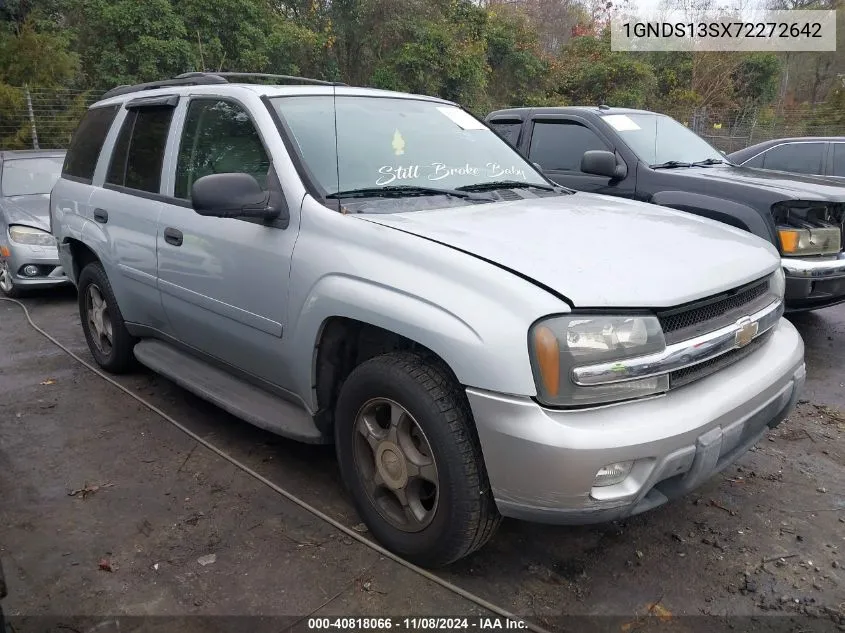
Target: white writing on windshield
x=440 y=171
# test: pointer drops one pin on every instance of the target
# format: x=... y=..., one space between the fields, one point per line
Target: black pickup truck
x=651 y=157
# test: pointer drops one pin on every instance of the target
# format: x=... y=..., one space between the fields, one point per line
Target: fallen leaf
x=660 y=611
x=87 y=490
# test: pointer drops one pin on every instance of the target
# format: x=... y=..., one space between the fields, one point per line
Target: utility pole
x=31 y=119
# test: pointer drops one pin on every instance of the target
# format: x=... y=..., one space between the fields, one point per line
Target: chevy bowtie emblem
x=746 y=332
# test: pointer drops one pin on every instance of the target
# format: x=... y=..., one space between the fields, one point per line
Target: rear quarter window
x=87 y=143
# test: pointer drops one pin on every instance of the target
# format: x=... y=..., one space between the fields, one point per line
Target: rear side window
x=561 y=144
x=839 y=159
x=508 y=130
x=139 y=151
x=87 y=142
x=800 y=158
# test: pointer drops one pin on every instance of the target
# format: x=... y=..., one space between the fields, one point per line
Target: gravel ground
x=109 y=510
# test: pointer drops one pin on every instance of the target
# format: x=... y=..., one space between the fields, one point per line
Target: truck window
x=801 y=158
x=839 y=159
x=508 y=130
x=560 y=145
x=139 y=151
x=87 y=143
x=219 y=137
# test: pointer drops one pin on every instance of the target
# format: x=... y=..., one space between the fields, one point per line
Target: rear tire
x=402 y=421
x=108 y=339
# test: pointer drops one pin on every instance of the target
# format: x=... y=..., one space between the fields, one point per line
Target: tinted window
x=839 y=159
x=84 y=151
x=117 y=166
x=30 y=176
x=557 y=145
x=219 y=138
x=508 y=130
x=801 y=158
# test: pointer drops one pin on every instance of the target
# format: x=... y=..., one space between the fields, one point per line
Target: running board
x=243 y=400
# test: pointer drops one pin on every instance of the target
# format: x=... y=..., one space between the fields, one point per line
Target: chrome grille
x=699 y=317
x=687 y=375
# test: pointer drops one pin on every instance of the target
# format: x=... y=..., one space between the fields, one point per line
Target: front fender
x=477 y=355
x=726 y=211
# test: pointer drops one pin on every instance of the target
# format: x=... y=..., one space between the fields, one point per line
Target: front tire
x=409 y=454
x=108 y=339
x=7 y=283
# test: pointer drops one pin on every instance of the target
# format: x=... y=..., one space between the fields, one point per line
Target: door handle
x=173 y=236
x=101 y=216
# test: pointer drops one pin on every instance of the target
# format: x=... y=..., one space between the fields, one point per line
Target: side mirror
x=231 y=196
x=602 y=163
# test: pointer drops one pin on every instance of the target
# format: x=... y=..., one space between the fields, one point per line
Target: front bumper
x=46 y=258
x=542 y=463
x=813 y=283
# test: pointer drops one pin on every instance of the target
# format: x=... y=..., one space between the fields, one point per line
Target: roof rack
x=284 y=78
x=202 y=79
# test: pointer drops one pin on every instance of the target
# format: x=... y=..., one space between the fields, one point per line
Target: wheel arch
x=733 y=214
x=344 y=343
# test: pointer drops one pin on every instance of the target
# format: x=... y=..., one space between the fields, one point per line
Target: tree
x=126 y=41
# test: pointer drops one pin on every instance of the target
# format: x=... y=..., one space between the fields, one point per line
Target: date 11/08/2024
x=416 y=624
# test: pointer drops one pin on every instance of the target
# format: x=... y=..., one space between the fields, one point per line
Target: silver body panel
x=467 y=283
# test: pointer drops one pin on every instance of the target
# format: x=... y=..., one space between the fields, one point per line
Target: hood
x=599 y=251
x=782 y=186
x=29 y=210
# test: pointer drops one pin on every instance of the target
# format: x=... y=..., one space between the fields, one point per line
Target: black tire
x=465 y=516
x=118 y=357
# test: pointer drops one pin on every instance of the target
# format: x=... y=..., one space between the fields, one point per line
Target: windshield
x=394 y=142
x=656 y=139
x=30 y=176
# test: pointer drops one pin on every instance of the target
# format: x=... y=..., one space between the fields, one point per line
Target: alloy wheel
x=396 y=465
x=99 y=319
x=6 y=283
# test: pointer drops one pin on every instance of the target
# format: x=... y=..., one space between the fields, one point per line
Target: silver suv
x=382 y=271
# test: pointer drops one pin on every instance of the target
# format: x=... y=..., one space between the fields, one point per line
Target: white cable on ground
x=478 y=600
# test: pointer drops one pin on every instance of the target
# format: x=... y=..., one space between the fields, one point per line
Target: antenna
x=336 y=144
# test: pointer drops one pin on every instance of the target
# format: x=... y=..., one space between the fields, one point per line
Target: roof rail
x=188 y=79
x=201 y=79
x=286 y=78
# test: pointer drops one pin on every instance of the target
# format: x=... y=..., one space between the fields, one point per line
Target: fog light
x=613 y=473
x=30 y=270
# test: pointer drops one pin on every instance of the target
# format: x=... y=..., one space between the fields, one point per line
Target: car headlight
x=777 y=283
x=559 y=344
x=809 y=228
x=31 y=235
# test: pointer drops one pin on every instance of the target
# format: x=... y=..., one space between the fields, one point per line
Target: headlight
x=777 y=283
x=31 y=235
x=559 y=344
x=809 y=228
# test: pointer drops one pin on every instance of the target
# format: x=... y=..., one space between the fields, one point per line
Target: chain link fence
x=732 y=130
x=32 y=117
x=41 y=118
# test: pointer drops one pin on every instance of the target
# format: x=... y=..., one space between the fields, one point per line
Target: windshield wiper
x=670 y=164
x=504 y=184
x=708 y=161
x=405 y=190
